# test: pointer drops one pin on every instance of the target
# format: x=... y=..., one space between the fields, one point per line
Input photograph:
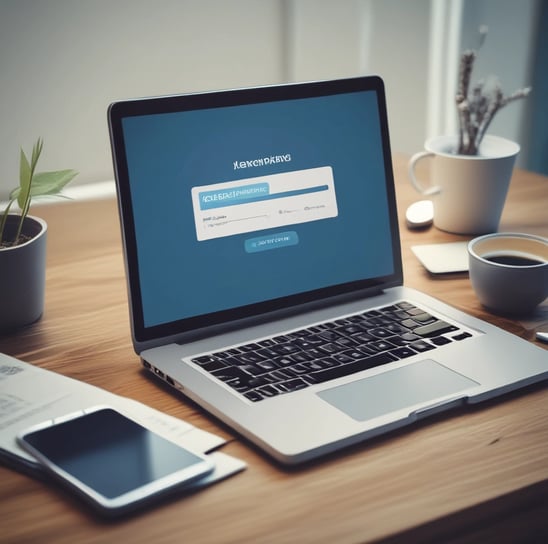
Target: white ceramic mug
x=468 y=191
x=509 y=271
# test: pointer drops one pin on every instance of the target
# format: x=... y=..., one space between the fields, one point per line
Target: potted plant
x=23 y=243
x=471 y=170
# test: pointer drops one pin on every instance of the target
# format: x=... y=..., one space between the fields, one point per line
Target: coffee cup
x=509 y=271
x=468 y=192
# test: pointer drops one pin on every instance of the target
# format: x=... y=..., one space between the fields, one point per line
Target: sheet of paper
x=171 y=427
x=30 y=395
x=443 y=258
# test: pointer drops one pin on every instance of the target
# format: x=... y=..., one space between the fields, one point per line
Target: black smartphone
x=111 y=461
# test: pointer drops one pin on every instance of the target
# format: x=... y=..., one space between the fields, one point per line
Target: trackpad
x=396 y=389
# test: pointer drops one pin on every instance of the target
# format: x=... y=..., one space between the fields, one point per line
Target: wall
x=63 y=61
x=535 y=123
x=507 y=53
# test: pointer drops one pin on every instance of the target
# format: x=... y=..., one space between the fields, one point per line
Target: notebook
x=264 y=270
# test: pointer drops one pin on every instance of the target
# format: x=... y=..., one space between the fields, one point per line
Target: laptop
x=264 y=270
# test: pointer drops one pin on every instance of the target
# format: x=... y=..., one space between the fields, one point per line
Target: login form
x=225 y=209
x=238 y=205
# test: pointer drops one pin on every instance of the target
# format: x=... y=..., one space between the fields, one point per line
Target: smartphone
x=112 y=462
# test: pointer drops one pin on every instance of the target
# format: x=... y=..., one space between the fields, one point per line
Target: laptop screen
x=238 y=203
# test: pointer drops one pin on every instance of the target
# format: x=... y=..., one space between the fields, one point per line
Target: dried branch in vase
x=478 y=105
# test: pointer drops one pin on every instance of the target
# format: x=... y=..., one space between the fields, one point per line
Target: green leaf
x=25 y=177
x=36 y=150
x=4 y=220
x=48 y=183
x=51 y=183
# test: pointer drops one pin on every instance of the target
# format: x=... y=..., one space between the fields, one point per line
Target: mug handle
x=414 y=181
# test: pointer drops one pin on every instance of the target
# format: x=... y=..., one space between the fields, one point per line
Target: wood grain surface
x=475 y=475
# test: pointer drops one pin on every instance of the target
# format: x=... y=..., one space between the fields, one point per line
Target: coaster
x=443 y=258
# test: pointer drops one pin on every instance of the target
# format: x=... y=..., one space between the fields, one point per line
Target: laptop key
x=329 y=335
x=398 y=341
x=293 y=385
x=215 y=364
x=351 y=368
x=255 y=370
x=342 y=358
x=284 y=361
x=462 y=336
x=328 y=362
x=330 y=348
x=299 y=368
x=424 y=318
x=253 y=396
x=204 y=359
x=394 y=328
x=346 y=342
x=434 y=329
x=249 y=358
x=409 y=324
x=315 y=365
x=285 y=349
x=267 y=365
x=421 y=345
x=363 y=338
x=403 y=352
x=315 y=353
x=256 y=382
x=355 y=354
x=409 y=337
x=381 y=332
x=269 y=391
x=307 y=342
x=376 y=321
x=380 y=345
x=301 y=357
x=267 y=352
x=280 y=375
x=415 y=311
x=440 y=340
x=351 y=329
x=232 y=373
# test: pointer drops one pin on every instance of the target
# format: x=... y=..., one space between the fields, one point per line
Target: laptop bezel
x=213 y=323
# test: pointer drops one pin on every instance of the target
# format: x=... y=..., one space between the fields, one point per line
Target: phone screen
x=113 y=455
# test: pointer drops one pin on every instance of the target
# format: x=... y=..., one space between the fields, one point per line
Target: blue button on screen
x=271 y=241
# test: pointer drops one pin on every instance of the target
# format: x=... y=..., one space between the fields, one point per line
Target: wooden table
x=470 y=475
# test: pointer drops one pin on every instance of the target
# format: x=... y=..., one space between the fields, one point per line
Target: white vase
x=23 y=274
x=468 y=192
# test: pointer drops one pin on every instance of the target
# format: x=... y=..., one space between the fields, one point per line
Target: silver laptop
x=264 y=270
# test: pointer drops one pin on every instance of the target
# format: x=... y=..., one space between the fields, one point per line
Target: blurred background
x=62 y=62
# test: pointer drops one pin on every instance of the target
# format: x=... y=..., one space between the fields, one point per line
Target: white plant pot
x=468 y=192
x=23 y=274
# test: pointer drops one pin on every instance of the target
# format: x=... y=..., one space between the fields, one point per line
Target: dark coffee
x=513 y=260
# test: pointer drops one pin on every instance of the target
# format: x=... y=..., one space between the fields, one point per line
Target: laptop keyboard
x=329 y=350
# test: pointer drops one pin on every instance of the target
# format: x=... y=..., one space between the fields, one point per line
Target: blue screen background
x=168 y=154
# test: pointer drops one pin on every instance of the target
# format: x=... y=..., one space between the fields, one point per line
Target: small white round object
x=420 y=214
